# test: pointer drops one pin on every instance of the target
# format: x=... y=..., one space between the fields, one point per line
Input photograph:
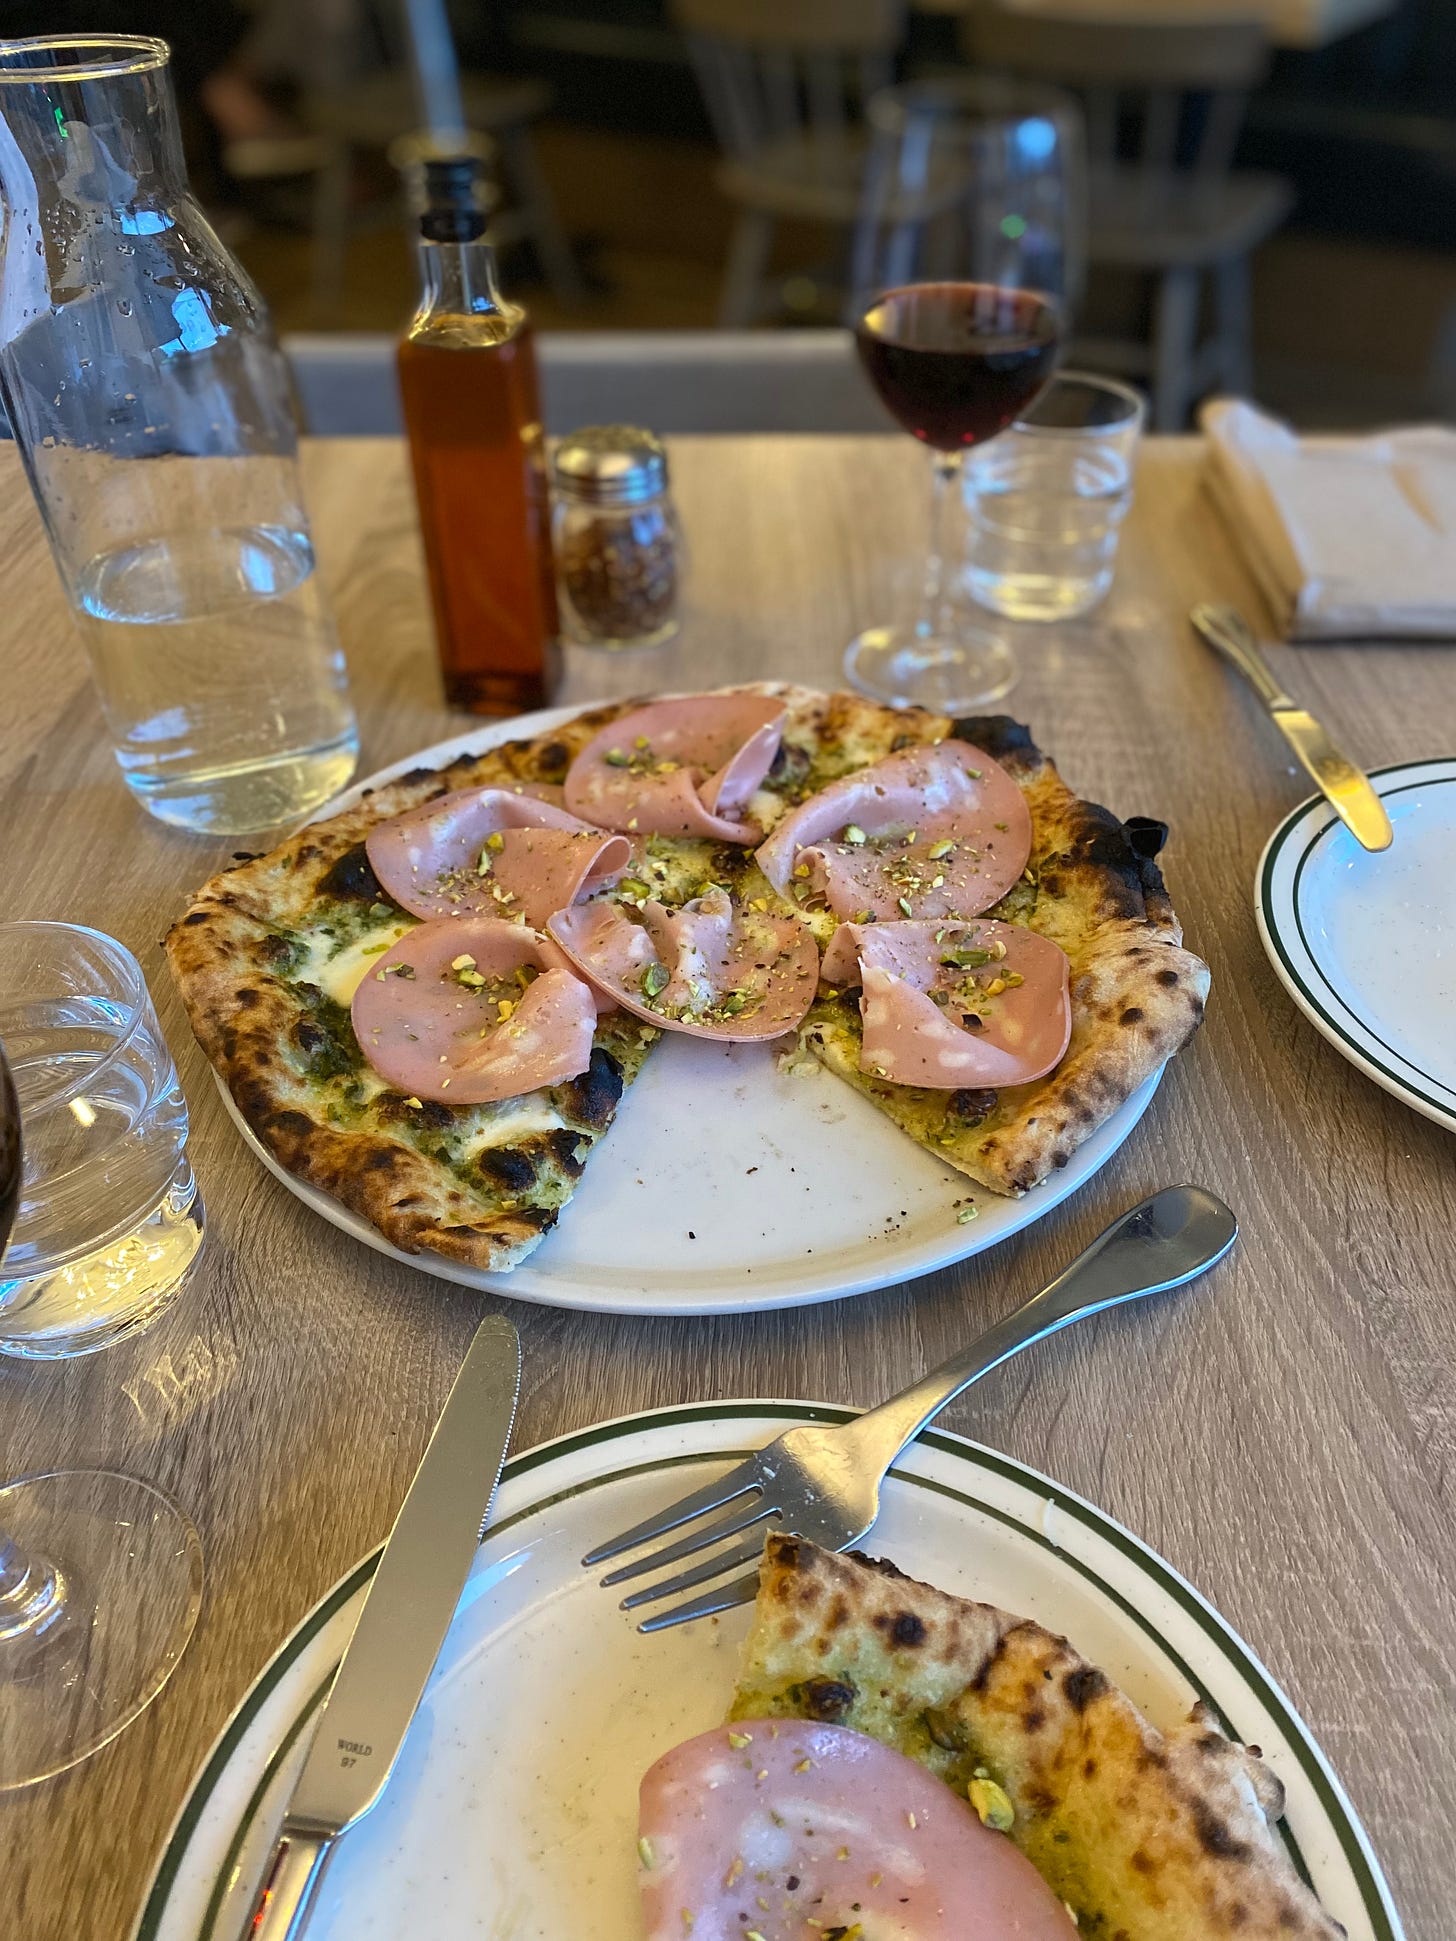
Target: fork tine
x=743 y=1553
x=706 y=1533
x=742 y=1590
x=712 y=1496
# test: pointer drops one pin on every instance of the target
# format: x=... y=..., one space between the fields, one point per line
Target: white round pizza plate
x=726 y=1185
x=512 y=1809
x=1366 y=944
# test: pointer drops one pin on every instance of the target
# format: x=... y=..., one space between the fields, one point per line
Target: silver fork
x=823 y=1481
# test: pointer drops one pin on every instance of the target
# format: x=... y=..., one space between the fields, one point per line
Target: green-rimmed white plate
x=726 y=1184
x=512 y=1810
x=1366 y=944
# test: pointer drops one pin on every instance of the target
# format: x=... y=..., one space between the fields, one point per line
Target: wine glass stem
x=29 y=1591
x=944 y=545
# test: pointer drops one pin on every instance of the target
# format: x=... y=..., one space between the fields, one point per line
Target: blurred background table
x=1285 y=1434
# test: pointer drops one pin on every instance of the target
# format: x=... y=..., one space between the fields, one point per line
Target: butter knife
x=1345 y=787
x=407 y=1611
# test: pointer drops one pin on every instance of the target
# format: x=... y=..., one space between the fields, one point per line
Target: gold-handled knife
x=1345 y=787
x=407 y=1611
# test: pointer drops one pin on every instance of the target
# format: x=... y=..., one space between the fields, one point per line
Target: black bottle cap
x=453 y=211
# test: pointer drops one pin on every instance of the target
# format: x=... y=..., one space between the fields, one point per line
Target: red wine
x=957 y=362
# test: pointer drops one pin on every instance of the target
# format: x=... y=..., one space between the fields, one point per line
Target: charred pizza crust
x=1148 y=1836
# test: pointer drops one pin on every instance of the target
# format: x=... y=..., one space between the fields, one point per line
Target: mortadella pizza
x=900 y=1762
x=430 y=1004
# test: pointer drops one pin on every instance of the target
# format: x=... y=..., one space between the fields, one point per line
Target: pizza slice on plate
x=899 y=1762
x=1067 y=989
x=270 y=958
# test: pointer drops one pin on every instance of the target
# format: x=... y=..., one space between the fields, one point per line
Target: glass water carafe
x=153 y=411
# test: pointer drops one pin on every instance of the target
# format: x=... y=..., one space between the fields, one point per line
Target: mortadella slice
x=781 y=1828
x=936 y=831
x=710 y=968
x=947 y=1005
x=468 y=1010
x=686 y=767
x=492 y=852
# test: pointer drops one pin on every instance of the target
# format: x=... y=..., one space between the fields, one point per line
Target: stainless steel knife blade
x=407 y=1611
x=1347 y=788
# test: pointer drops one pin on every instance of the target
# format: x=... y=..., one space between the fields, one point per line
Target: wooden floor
x=1346 y=332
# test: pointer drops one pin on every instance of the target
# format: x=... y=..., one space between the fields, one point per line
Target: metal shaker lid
x=611 y=465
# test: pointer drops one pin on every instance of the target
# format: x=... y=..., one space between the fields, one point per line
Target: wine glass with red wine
x=964 y=259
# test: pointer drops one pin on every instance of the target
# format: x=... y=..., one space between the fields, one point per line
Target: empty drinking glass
x=153 y=412
x=110 y=1222
x=1046 y=500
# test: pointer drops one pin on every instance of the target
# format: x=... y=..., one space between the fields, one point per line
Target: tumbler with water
x=1046 y=500
x=109 y=1224
x=154 y=414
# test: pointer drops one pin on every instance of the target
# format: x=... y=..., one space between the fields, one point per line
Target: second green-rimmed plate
x=1366 y=944
x=512 y=1810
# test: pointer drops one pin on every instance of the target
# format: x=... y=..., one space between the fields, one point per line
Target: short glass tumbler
x=1046 y=500
x=110 y=1221
x=154 y=415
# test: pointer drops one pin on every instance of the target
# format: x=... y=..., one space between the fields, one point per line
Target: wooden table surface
x=1286 y=1436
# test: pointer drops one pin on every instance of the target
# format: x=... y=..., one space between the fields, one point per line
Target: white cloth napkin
x=1348 y=538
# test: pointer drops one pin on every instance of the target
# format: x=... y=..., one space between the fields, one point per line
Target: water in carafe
x=154 y=414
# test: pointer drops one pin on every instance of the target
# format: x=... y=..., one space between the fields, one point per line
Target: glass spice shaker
x=615 y=538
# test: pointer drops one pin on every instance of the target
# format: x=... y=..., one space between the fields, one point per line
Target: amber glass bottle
x=467 y=374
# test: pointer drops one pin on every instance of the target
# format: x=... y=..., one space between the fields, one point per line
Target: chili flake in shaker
x=615 y=538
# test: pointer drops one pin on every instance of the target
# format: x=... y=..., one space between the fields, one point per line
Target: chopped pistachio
x=645 y=1853
x=614 y=758
x=414 y=1102
x=939 y=849
x=904 y=903
x=965 y=957
x=992 y=1803
x=630 y=886
x=655 y=980
x=483 y=867
x=854 y=834
x=963 y=1218
x=463 y=962
x=738 y=1740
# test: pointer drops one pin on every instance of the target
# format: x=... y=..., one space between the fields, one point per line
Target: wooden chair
x=1164 y=101
x=784 y=82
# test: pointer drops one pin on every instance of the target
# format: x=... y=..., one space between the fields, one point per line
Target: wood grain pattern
x=1285 y=1434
